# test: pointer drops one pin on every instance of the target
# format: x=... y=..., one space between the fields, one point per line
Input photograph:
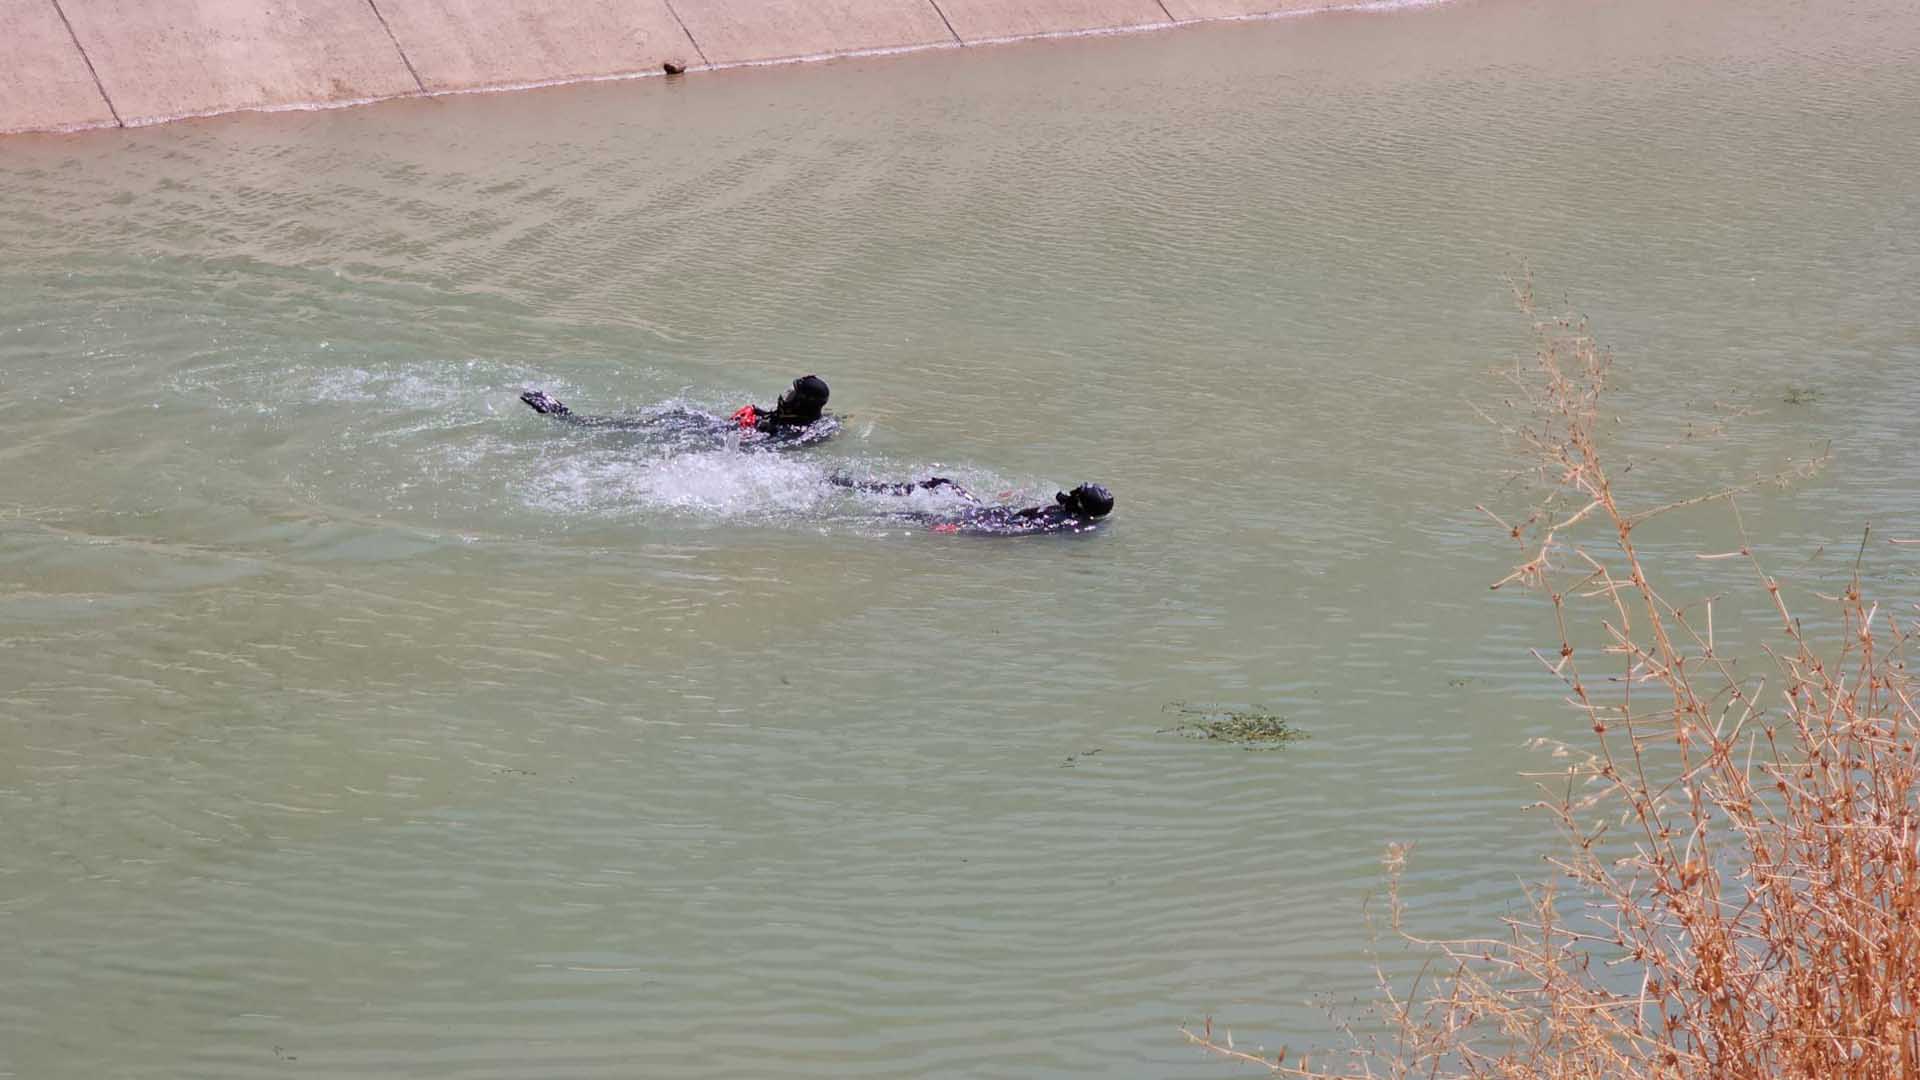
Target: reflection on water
x=356 y=719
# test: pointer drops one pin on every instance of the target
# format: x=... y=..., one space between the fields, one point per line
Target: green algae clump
x=1253 y=728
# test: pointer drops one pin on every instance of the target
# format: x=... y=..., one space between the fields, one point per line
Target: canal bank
x=68 y=65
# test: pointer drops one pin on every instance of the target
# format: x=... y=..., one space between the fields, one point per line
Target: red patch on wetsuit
x=746 y=417
x=947 y=528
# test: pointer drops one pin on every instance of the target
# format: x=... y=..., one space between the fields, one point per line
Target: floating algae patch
x=1254 y=728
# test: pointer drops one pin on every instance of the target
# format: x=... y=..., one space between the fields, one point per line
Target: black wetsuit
x=1081 y=510
x=796 y=421
x=1009 y=521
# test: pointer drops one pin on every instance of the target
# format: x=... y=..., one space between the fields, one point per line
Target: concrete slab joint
x=193 y=57
x=46 y=82
x=89 y=62
x=473 y=44
x=397 y=46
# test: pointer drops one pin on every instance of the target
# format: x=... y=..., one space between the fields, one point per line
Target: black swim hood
x=1091 y=500
x=803 y=401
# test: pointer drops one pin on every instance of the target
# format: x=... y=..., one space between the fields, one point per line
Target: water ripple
x=355 y=719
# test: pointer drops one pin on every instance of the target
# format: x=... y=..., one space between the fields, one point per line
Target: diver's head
x=1087 y=500
x=803 y=401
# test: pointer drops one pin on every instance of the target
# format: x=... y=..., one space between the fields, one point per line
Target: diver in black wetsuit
x=797 y=419
x=1076 y=511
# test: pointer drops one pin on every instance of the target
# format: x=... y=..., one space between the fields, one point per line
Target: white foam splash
x=413 y=388
x=723 y=483
x=446 y=440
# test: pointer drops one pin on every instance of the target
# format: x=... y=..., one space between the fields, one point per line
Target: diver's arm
x=907 y=487
x=877 y=487
x=547 y=405
x=939 y=481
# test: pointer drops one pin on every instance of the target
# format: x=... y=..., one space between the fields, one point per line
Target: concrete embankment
x=71 y=64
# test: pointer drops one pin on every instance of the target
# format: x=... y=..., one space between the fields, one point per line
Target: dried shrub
x=1738 y=890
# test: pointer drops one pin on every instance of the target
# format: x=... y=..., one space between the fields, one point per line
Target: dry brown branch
x=1759 y=913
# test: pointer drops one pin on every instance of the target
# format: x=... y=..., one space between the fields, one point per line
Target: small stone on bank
x=674 y=67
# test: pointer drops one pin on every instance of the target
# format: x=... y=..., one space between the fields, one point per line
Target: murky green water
x=355 y=721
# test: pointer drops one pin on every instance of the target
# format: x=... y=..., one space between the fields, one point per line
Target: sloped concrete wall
x=472 y=44
x=737 y=31
x=90 y=63
x=44 y=80
x=158 y=60
x=1191 y=10
x=998 y=20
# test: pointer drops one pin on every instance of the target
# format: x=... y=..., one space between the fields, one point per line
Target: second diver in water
x=797 y=419
x=1076 y=511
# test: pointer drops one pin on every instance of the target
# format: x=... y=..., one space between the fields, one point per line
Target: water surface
x=356 y=721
